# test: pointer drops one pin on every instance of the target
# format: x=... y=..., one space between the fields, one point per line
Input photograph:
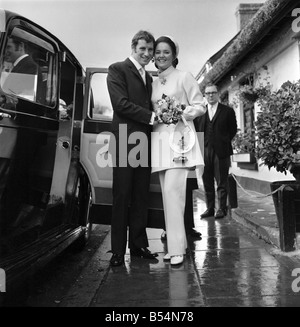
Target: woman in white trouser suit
x=166 y=154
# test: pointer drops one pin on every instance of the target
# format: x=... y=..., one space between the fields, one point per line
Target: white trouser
x=173 y=185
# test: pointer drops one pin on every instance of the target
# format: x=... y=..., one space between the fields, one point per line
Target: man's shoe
x=117 y=260
x=208 y=213
x=167 y=257
x=163 y=236
x=220 y=214
x=194 y=234
x=143 y=253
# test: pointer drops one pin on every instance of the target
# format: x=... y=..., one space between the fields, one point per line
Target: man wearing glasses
x=219 y=126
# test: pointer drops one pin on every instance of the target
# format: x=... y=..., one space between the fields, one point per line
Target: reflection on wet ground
x=228 y=267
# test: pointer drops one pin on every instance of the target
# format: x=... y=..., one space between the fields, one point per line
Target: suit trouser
x=191 y=184
x=130 y=187
x=215 y=169
x=173 y=186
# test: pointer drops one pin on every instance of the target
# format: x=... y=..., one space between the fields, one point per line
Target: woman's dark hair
x=142 y=35
x=167 y=40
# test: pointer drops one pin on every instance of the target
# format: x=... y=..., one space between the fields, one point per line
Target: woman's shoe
x=176 y=259
x=167 y=257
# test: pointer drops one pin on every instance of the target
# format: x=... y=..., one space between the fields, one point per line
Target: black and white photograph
x=150 y=157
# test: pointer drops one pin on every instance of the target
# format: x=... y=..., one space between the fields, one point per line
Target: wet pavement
x=229 y=267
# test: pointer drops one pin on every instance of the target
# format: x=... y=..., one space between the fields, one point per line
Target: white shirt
x=139 y=67
x=136 y=63
x=212 y=110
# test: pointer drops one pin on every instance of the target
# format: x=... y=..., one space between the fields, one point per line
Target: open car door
x=94 y=155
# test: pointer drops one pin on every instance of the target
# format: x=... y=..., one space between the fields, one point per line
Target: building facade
x=265 y=51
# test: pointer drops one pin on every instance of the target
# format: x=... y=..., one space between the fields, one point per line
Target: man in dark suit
x=219 y=126
x=24 y=73
x=129 y=87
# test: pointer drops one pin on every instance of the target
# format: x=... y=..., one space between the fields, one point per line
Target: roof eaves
x=260 y=24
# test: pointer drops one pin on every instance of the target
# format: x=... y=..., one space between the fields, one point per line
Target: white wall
x=284 y=67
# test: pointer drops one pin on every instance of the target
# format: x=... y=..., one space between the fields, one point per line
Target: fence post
x=232 y=192
x=286 y=218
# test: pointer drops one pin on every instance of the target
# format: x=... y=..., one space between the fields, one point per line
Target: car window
x=29 y=68
x=100 y=104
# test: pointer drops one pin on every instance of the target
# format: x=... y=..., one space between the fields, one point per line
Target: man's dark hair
x=212 y=84
x=142 y=35
x=17 y=42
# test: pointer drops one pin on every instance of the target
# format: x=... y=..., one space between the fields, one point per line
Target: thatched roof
x=217 y=55
x=258 y=26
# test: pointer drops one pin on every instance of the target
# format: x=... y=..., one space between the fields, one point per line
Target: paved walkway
x=256 y=212
x=230 y=266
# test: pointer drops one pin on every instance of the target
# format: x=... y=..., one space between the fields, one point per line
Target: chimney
x=244 y=12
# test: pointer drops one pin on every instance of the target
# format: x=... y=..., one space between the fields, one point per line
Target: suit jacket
x=224 y=129
x=130 y=97
x=26 y=66
x=131 y=102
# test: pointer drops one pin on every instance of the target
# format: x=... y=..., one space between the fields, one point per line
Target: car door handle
x=65 y=144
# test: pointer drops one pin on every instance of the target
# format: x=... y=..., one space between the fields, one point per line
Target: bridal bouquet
x=169 y=110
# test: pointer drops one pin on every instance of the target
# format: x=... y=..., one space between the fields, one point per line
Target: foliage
x=244 y=142
x=247 y=94
x=169 y=110
x=278 y=127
